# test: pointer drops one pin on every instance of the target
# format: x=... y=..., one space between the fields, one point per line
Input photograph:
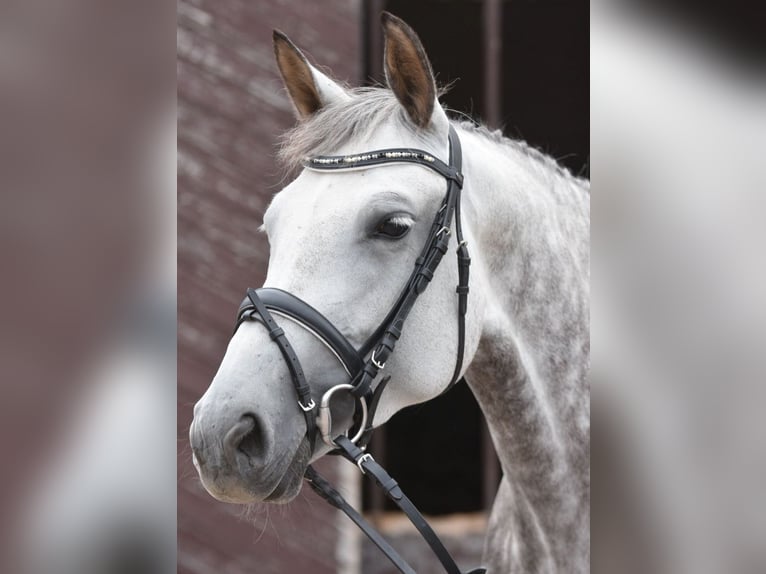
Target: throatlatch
x=363 y=365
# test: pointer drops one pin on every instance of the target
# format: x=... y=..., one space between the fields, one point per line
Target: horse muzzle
x=242 y=459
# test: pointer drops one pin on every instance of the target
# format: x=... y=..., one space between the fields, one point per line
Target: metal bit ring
x=324 y=419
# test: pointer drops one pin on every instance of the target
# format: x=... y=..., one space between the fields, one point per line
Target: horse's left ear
x=408 y=71
x=309 y=89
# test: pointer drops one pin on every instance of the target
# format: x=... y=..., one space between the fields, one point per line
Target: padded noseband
x=281 y=302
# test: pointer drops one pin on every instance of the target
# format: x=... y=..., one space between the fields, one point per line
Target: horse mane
x=339 y=122
x=540 y=160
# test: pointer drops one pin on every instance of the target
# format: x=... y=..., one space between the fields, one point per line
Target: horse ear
x=309 y=89
x=408 y=71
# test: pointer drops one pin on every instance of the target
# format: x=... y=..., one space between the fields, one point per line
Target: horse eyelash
x=403 y=220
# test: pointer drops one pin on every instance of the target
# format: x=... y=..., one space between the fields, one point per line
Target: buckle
x=365 y=457
x=307 y=408
x=380 y=366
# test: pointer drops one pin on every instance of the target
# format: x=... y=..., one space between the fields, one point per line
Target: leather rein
x=363 y=365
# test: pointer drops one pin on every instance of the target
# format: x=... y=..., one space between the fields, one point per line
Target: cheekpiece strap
x=302 y=388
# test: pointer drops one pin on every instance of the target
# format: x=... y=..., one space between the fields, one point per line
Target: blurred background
x=87 y=287
x=519 y=66
x=678 y=126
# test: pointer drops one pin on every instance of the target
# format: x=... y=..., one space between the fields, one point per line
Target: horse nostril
x=246 y=437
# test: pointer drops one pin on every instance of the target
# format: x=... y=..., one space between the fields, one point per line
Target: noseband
x=363 y=365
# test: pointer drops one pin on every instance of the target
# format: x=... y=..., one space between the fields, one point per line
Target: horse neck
x=529 y=223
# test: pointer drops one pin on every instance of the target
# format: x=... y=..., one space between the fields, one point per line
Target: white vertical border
x=348 y=550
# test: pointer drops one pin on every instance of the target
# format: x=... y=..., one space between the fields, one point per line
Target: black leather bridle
x=364 y=364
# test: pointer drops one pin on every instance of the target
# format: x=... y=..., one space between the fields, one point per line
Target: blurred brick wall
x=231 y=110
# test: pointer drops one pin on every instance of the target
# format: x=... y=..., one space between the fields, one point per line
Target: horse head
x=345 y=243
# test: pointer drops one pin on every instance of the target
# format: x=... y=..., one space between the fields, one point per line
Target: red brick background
x=231 y=110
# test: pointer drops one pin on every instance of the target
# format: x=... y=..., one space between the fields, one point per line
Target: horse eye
x=394 y=227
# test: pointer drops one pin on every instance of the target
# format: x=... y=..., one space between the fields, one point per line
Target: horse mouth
x=288 y=487
x=243 y=483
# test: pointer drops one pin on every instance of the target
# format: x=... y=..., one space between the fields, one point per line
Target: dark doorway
x=535 y=88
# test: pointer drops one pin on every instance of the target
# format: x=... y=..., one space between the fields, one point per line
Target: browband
x=384 y=157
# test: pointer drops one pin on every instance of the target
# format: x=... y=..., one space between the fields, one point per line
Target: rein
x=363 y=365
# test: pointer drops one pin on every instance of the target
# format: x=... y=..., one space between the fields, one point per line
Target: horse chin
x=287 y=489
x=290 y=484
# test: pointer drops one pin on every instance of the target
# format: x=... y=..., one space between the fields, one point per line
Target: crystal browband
x=383 y=157
x=343 y=159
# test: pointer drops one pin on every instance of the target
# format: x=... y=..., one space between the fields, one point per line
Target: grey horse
x=527 y=338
